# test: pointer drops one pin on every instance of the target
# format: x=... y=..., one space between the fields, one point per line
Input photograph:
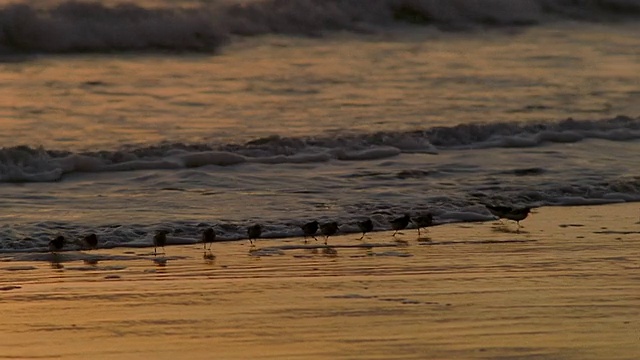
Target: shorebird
x=208 y=236
x=160 y=240
x=90 y=241
x=498 y=211
x=329 y=229
x=310 y=229
x=56 y=244
x=365 y=226
x=400 y=223
x=254 y=232
x=423 y=221
x=510 y=213
x=518 y=215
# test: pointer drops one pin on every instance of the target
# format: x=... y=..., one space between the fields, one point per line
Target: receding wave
x=29 y=237
x=77 y=26
x=28 y=164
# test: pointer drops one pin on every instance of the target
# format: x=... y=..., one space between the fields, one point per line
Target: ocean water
x=124 y=118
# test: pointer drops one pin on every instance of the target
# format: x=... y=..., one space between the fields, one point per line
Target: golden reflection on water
x=249 y=91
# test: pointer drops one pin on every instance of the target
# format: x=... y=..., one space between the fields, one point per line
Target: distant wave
x=75 y=26
x=28 y=164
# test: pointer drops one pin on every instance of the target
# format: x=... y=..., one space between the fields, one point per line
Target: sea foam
x=26 y=164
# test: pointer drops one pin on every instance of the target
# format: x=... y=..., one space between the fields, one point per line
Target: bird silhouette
x=208 y=236
x=254 y=232
x=310 y=229
x=400 y=223
x=160 y=240
x=329 y=229
x=90 y=241
x=423 y=221
x=510 y=213
x=56 y=244
x=365 y=226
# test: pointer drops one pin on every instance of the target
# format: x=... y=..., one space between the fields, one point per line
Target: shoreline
x=190 y=240
x=564 y=287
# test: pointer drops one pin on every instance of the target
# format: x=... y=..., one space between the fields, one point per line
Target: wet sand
x=565 y=287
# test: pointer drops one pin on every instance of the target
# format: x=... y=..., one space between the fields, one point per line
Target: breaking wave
x=77 y=26
x=29 y=164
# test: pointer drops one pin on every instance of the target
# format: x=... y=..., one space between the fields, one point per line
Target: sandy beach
x=564 y=287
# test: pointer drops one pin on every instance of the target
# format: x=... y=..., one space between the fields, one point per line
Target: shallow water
x=282 y=129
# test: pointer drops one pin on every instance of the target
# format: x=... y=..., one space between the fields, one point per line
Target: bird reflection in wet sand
x=329 y=251
x=365 y=226
x=91 y=261
x=56 y=262
x=160 y=262
x=329 y=229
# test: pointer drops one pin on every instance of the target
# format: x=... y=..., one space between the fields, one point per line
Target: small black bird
x=510 y=213
x=365 y=226
x=329 y=229
x=310 y=229
x=90 y=241
x=423 y=221
x=56 y=244
x=254 y=232
x=208 y=236
x=498 y=211
x=160 y=240
x=400 y=223
x=518 y=215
